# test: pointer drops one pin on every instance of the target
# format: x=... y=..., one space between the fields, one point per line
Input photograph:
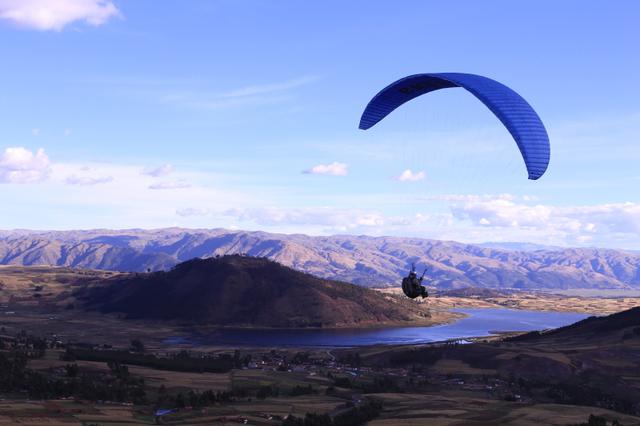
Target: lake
x=480 y=322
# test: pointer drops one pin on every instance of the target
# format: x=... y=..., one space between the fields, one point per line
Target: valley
x=54 y=319
x=565 y=377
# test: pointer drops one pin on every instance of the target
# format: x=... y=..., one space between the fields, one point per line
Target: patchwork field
x=492 y=381
x=597 y=303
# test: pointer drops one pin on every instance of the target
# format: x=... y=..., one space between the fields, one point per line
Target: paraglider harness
x=412 y=285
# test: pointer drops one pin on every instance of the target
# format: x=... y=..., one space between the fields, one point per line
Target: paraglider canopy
x=513 y=111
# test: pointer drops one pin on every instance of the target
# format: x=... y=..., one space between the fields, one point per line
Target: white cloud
x=336 y=219
x=409 y=176
x=174 y=184
x=19 y=165
x=46 y=15
x=600 y=224
x=87 y=180
x=472 y=219
x=333 y=169
x=331 y=220
x=192 y=211
x=124 y=202
x=159 y=171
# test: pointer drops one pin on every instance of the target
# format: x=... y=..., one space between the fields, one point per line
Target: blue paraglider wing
x=513 y=111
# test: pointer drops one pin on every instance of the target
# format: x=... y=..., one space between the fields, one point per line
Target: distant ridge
x=363 y=260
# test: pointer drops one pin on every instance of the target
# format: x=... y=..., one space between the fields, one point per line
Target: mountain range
x=364 y=260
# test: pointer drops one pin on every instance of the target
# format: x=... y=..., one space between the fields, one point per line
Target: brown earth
x=244 y=291
x=363 y=260
x=227 y=291
x=526 y=300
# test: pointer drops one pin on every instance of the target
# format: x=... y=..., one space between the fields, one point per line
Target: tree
x=72 y=370
x=597 y=421
x=137 y=346
x=162 y=395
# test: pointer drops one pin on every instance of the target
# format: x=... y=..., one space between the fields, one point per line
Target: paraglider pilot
x=412 y=285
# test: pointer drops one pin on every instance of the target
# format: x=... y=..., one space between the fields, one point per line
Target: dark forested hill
x=244 y=291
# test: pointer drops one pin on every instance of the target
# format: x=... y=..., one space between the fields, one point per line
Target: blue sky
x=243 y=114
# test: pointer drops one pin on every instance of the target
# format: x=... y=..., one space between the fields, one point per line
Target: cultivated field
x=598 y=303
x=491 y=382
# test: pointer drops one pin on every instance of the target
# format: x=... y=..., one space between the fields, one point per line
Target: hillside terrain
x=236 y=290
x=363 y=260
x=593 y=362
x=582 y=374
x=586 y=372
x=613 y=328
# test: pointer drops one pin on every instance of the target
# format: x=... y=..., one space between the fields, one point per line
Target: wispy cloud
x=20 y=165
x=333 y=169
x=192 y=211
x=174 y=184
x=54 y=15
x=159 y=171
x=283 y=86
x=253 y=95
x=474 y=197
x=87 y=180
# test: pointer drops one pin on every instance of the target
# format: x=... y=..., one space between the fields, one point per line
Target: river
x=480 y=322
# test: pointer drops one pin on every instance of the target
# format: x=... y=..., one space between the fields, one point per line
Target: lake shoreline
x=478 y=323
